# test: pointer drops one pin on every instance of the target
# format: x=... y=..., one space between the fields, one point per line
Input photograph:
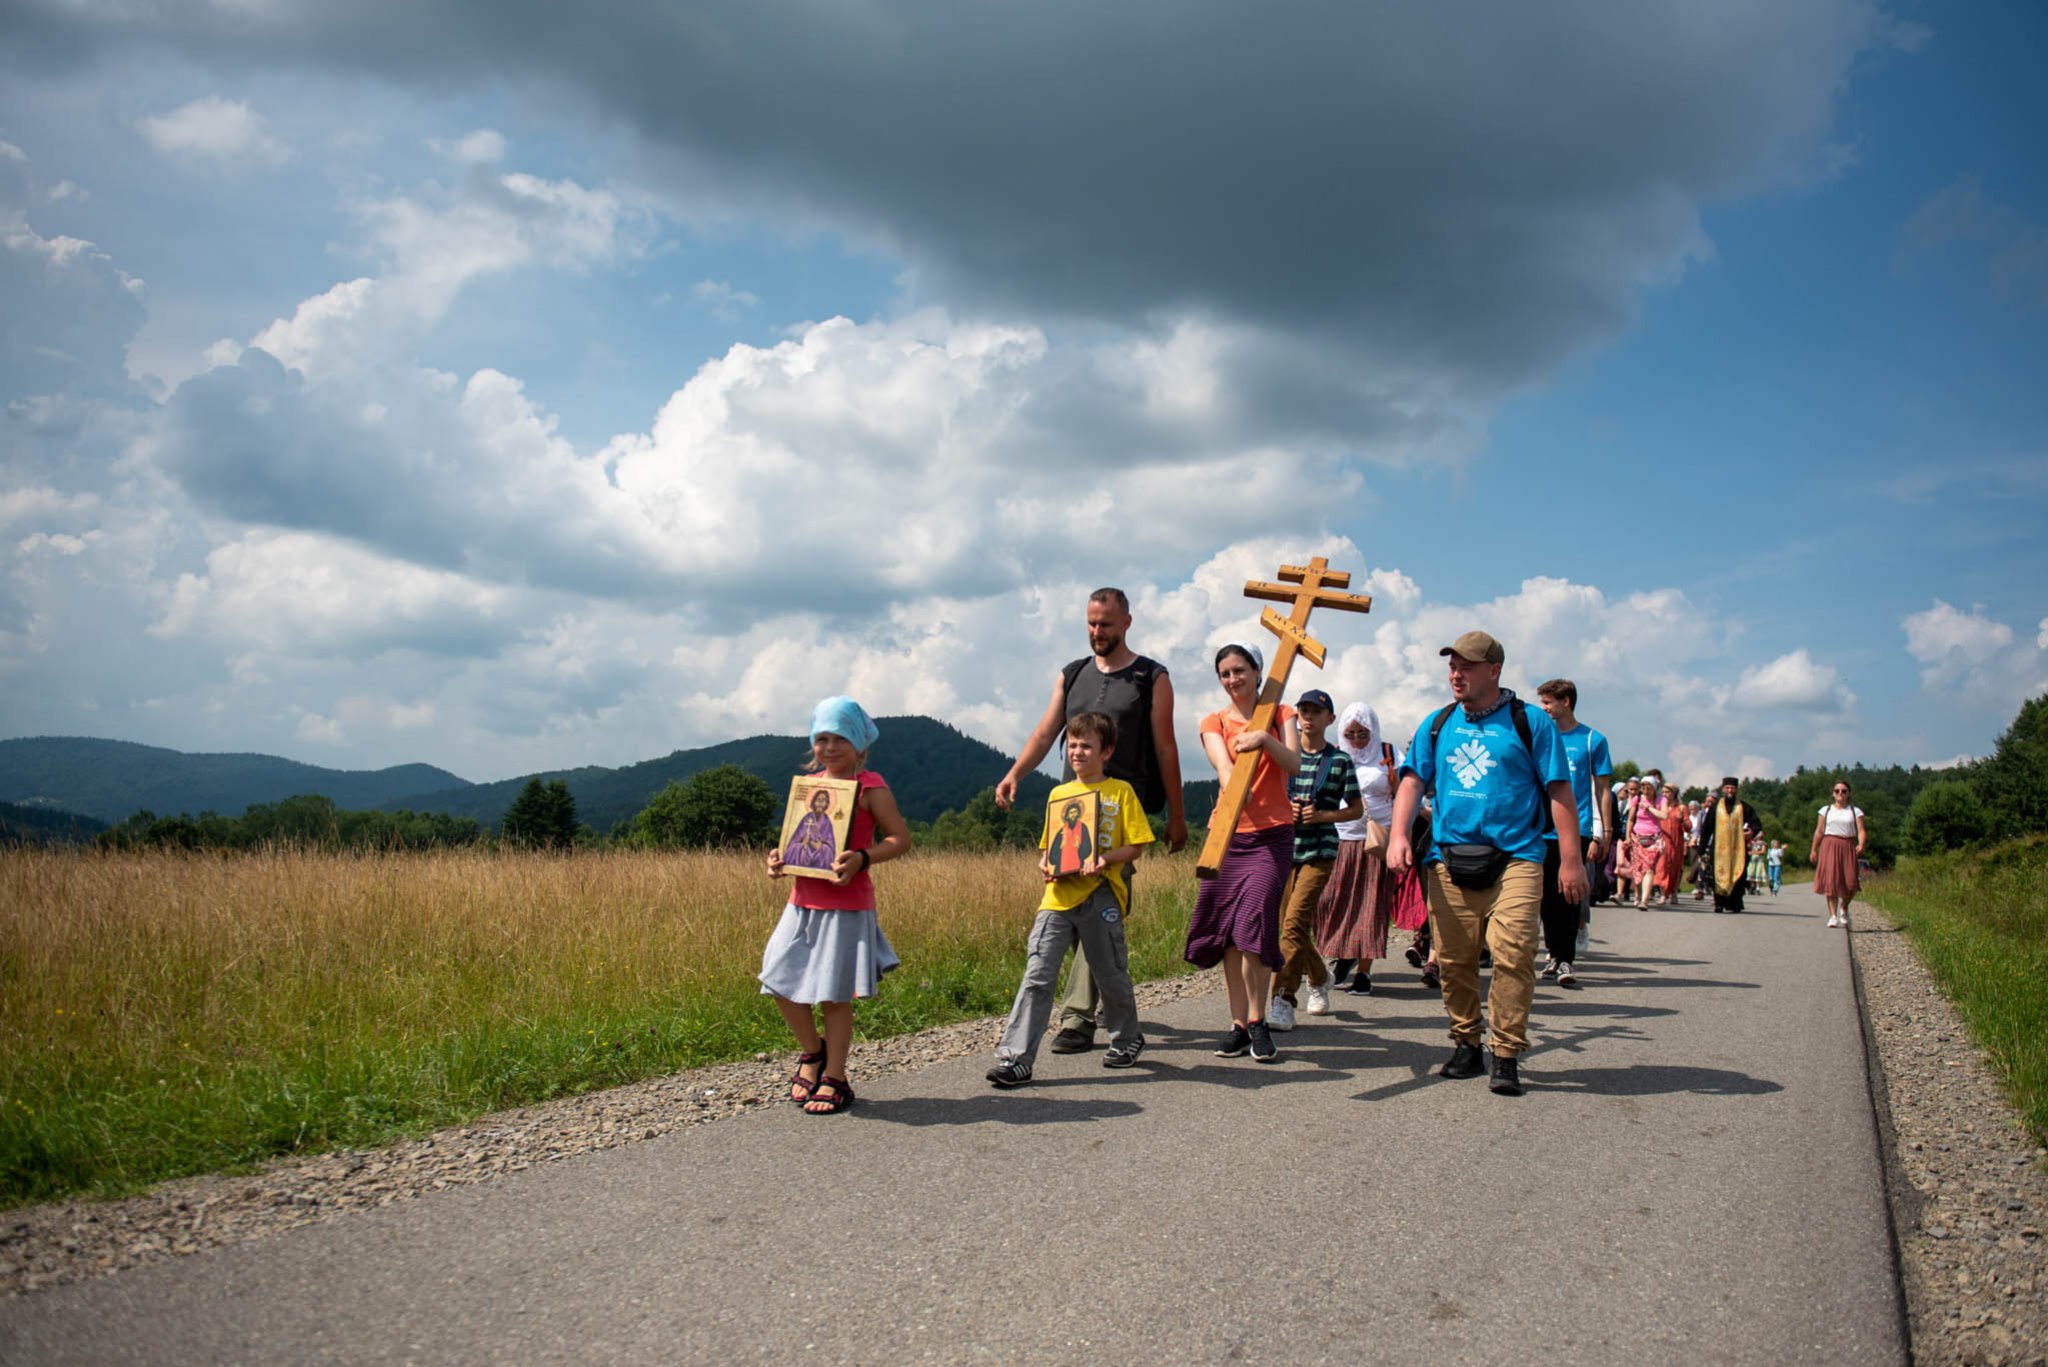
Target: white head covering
x=1252 y=652
x=1372 y=774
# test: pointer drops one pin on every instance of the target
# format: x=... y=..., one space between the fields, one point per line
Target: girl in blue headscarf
x=829 y=949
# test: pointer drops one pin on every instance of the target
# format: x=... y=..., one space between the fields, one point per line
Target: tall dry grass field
x=164 y=1014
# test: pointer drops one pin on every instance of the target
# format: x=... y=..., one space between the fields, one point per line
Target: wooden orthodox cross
x=1318 y=583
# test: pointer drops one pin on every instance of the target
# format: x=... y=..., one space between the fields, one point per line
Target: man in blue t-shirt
x=1500 y=778
x=1564 y=922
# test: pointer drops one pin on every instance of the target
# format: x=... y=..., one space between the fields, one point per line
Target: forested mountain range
x=930 y=766
x=114 y=779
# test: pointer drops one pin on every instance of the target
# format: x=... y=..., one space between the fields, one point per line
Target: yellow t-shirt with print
x=1119 y=821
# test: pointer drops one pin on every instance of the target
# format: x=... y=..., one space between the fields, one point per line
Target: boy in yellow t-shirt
x=1087 y=906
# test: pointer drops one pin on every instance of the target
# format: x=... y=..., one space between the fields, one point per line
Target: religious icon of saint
x=1072 y=843
x=815 y=824
x=812 y=846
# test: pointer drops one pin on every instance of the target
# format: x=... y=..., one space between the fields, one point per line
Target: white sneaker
x=1585 y=939
x=1565 y=976
x=1319 y=1001
x=1280 y=1014
x=1833 y=921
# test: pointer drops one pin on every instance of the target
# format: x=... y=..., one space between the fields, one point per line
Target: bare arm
x=1220 y=758
x=1037 y=745
x=889 y=822
x=1400 y=853
x=1571 y=869
x=1166 y=753
x=1122 y=854
x=1603 y=832
x=1284 y=750
x=1861 y=835
x=1820 y=828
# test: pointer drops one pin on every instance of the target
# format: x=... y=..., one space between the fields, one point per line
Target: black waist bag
x=1473 y=867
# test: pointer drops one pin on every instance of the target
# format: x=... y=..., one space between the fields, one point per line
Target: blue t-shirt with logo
x=1490 y=789
x=1586 y=751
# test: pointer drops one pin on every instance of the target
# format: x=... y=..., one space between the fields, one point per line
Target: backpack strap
x=1324 y=763
x=1436 y=728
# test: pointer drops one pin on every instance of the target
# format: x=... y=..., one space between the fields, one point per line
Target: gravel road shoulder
x=1969 y=1188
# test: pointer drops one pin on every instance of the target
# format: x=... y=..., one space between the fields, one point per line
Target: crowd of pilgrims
x=1485 y=840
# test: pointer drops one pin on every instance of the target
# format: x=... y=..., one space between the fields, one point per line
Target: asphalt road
x=1693 y=1175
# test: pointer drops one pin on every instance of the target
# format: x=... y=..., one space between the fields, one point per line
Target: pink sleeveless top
x=821 y=894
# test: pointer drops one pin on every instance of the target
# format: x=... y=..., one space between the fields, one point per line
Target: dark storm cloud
x=1475 y=188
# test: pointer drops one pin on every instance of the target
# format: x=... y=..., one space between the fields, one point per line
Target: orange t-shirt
x=1266 y=806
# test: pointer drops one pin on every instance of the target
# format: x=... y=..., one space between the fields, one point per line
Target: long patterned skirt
x=1357 y=905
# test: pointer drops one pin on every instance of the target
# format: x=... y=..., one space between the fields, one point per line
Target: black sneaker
x=1235 y=1044
x=1073 y=1040
x=1263 y=1050
x=1465 y=1061
x=1507 y=1077
x=1124 y=1057
x=1010 y=1073
x=1486 y=958
x=1414 y=957
x=1361 y=985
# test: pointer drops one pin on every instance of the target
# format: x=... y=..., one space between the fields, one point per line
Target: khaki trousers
x=1298 y=957
x=1508 y=918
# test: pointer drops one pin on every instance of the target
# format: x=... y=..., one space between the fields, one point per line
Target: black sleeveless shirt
x=1125 y=697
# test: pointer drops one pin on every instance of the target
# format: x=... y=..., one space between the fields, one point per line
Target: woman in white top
x=1358 y=899
x=1838 y=839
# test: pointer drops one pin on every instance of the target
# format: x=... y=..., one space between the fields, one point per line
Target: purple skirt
x=1240 y=907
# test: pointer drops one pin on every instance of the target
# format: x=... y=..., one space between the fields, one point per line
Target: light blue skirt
x=825 y=956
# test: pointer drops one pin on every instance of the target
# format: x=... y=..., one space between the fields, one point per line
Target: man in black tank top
x=1136 y=693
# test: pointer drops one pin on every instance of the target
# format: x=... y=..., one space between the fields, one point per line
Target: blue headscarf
x=845 y=718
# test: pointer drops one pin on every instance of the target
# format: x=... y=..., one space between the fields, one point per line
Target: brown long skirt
x=1835 y=874
x=1357 y=904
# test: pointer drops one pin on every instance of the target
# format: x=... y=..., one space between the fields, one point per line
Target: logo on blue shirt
x=1470 y=762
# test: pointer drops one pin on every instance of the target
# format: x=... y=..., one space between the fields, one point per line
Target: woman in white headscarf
x=1358 y=901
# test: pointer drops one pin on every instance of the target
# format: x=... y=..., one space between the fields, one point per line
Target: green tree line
x=308 y=820
x=1908 y=810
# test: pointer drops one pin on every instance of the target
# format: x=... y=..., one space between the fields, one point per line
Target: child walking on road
x=1088 y=907
x=829 y=949
x=1323 y=794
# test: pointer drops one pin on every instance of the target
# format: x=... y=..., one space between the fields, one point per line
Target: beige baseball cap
x=1477 y=648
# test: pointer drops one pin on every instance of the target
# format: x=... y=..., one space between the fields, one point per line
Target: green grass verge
x=129 y=1057
x=1979 y=920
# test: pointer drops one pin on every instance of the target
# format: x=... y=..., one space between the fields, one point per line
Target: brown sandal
x=801 y=1087
x=841 y=1098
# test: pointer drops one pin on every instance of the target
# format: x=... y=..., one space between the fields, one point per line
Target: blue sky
x=508 y=389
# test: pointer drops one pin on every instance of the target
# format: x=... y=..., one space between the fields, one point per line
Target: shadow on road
x=1029 y=1107
x=1592 y=1006
x=1648 y=1079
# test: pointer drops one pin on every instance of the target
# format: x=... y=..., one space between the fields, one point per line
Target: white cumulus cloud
x=1795 y=680
x=212 y=128
x=1982 y=660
